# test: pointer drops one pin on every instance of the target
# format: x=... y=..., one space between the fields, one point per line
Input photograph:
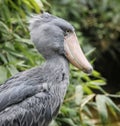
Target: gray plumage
x=33 y=97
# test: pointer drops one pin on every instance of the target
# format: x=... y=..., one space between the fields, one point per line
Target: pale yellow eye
x=67 y=32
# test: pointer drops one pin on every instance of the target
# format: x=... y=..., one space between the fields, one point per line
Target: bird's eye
x=67 y=32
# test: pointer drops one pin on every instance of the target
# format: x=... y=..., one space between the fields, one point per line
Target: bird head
x=54 y=36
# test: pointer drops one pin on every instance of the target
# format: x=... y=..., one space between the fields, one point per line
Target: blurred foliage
x=82 y=105
x=14 y=37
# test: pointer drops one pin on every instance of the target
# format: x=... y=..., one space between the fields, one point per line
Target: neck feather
x=55 y=67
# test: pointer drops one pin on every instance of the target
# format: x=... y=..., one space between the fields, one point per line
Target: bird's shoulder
x=22 y=85
x=24 y=77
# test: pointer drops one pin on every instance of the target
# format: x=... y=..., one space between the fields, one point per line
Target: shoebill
x=33 y=97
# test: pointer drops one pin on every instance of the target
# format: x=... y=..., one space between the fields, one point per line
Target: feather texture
x=33 y=97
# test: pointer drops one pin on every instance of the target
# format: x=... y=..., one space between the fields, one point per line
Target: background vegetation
x=97 y=24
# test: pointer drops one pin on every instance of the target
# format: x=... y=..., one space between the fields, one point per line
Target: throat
x=58 y=62
x=57 y=69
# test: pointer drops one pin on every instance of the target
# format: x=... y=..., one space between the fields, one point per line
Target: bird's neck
x=58 y=68
x=58 y=62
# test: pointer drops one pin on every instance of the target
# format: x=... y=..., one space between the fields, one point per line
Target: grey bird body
x=33 y=97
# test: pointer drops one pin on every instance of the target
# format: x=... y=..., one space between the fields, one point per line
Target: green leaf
x=3 y=74
x=16 y=54
x=27 y=41
x=35 y=5
x=4 y=11
x=39 y=3
x=22 y=64
x=86 y=100
x=112 y=107
x=90 y=52
x=27 y=3
x=53 y=123
x=102 y=109
x=78 y=94
x=13 y=4
x=87 y=110
x=68 y=121
x=68 y=111
x=2 y=57
x=4 y=26
x=96 y=73
x=11 y=58
x=12 y=69
x=98 y=82
x=87 y=89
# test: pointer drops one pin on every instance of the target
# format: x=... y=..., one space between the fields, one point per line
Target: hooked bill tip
x=89 y=70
